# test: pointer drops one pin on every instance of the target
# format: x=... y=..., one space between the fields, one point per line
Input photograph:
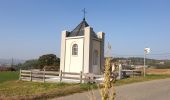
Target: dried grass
x=20 y=90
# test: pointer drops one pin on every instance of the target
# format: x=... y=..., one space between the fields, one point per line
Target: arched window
x=95 y=57
x=75 y=49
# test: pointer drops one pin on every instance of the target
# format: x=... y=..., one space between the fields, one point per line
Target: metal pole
x=144 y=70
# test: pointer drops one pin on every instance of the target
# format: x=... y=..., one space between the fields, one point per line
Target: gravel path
x=150 y=90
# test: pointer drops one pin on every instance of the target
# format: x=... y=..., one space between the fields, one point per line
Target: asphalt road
x=150 y=90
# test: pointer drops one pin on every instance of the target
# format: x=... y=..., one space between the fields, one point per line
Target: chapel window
x=75 y=49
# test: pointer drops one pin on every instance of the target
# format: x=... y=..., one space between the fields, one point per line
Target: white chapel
x=82 y=50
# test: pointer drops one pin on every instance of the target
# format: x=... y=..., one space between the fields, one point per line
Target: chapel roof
x=79 y=30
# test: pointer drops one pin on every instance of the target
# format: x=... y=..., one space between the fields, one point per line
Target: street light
x=146 y=52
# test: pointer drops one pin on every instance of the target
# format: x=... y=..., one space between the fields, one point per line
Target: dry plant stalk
x=105 y=93
x=91 y=95
x=105 y=90
x=112 y=92
x=108 y=92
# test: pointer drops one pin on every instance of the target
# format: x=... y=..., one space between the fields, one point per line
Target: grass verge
x=33 y=90
x=140 y=79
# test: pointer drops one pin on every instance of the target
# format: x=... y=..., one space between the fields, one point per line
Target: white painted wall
x=96 y=46
x=86 y=46
x=74 y=63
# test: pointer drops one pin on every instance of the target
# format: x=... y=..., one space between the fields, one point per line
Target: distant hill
x=150 y=62
x=9 y=61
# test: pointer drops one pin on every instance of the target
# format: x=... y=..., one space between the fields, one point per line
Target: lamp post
x=146 y=52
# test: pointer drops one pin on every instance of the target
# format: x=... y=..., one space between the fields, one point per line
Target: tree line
x=48 y=62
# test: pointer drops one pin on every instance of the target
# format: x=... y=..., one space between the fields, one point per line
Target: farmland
x=8 y=76
x=158 y=71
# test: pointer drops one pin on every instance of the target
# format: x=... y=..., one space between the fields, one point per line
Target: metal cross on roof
x=84 y=12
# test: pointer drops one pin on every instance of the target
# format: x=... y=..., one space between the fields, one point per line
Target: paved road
x=151 y=90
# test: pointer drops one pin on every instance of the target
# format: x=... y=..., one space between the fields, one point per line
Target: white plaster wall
x=74 y=63
x=87 y=49
x=62 y=54
x=96 y=46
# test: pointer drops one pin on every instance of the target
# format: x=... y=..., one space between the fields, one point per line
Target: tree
x=49 y=60
x=29 y=64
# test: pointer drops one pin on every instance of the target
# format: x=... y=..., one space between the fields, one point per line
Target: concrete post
x=44 y=75
x=81 y=76
x=20 y=71
x=31 y=75
x=60 y=75
x=120 y=72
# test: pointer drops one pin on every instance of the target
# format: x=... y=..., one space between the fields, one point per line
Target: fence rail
x=44 y=76
x=133 y=72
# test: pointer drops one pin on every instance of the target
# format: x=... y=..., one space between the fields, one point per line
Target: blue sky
x=30 y=28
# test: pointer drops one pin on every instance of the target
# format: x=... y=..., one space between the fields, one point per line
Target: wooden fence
x=44 y=76
x=132 y=72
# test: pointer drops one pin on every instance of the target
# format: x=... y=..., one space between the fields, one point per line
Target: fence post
x=80 y=76
x=120 y=72
x=60 y=75
x=20 y=74
x=44 y=76
x=31 y=75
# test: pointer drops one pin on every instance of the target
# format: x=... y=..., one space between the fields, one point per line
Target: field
x=7 y=76
x=10 y=87
x=158 y=71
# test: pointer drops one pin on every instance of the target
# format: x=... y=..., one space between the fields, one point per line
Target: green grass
x=7 y=76
x=140 y=79
x=10 y=87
